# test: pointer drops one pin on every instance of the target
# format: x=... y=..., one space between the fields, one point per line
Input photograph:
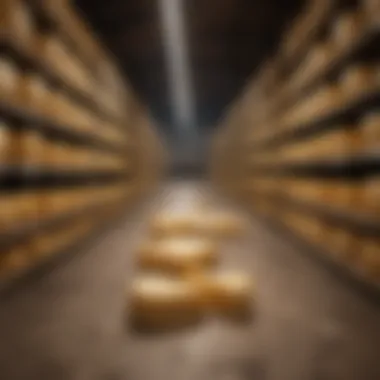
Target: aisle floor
x=71 y=323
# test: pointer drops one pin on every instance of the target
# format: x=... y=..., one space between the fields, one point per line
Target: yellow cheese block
x=226 y=291
x=161 y=302
x=178 y=254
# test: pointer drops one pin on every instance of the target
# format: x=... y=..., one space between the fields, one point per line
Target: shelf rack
x=255 y=136
x=56 y=195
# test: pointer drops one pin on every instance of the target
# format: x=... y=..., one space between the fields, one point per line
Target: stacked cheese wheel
x=178 y=282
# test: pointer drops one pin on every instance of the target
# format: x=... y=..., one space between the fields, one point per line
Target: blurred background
x=225 y=43
x=114 y=112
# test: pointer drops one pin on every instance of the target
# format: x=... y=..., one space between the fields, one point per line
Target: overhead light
x=177 y=60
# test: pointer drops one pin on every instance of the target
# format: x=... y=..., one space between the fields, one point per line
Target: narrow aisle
x=71 y=324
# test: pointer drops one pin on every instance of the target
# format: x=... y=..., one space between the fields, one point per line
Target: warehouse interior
x=114 y=113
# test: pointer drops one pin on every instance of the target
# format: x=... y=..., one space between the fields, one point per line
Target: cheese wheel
x=316 y=60
x=336 y=143
x=370 y=258
x=339 y=194
x=5 y=143
x=75 y=74
x=16 y=146
x=322 y=102
x=56 y=202
x=67 y=112
x=370 y=197
x=9 y=80
x=17 y=209
x=37 y=94
x=163 y=302
x=33 y=148
x=55 y=54
x=357 y=80
x=67 y=66
x=370 y=130
x=227 y=291
x=178 y=254
x=21 y=23
x=346 y=30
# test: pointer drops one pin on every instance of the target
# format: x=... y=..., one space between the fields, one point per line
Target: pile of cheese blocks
x=177 y=282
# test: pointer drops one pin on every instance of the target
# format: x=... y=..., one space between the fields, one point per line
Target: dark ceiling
x=227 y=41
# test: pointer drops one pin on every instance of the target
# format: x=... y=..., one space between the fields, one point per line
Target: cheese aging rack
x=77 y=147
x=305 y=136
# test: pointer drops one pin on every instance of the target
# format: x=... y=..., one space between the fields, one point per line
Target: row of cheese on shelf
x=29 y=147
x=355 y=83
x=37 y=205
x=28 y=253
x=21 y=28
x=361 y=198
x=341 y=143
x=58 y=59
x=69 y=200
x=361 y=254
x=348 y=29
x=30 y=92
x=110 y=91
x=69 y=24
x=52 y=52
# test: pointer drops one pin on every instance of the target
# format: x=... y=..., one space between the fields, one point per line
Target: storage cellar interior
x=282 y=129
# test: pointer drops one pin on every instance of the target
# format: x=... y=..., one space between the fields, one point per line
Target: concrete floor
x=71 y=323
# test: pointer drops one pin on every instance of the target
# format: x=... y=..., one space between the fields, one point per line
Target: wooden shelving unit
x=59 y=129
x=311 y=127
x=77 y=146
